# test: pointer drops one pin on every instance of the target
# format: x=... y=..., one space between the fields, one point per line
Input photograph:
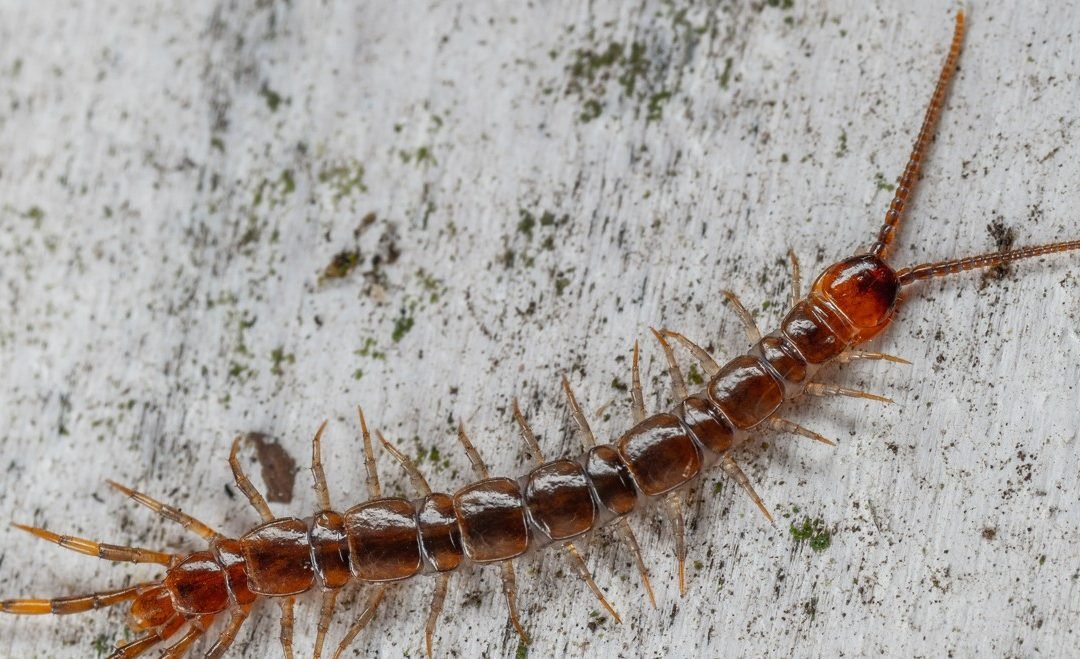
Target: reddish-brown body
x=496 y=520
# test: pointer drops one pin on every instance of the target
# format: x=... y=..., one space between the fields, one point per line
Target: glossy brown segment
x=229 y=555
x=706 y=423
x=745 y=391
x=439 y=532
x=491 y=515
x=277 y=558
x=781 y=356
x=559 y=500
x=610 y=479
x=197 y=585
x=809 y=332
x=384 y=543
x=660 y=454
x=330 y=549
x=865 y=290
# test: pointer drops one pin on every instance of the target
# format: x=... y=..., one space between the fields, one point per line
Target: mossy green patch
x=812 y=532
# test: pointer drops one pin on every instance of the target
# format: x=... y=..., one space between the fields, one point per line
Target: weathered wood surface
x=547 y=181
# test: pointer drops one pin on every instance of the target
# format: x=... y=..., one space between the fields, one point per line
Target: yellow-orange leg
x=362 y=620
x=228 y=635
x=168 y=512
x=196 y=628
x=144 y=643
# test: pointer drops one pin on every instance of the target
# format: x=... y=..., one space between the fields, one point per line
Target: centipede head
x=152 y=608
x=865 y=290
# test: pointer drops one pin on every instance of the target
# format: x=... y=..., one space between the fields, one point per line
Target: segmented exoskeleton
x=385 y=540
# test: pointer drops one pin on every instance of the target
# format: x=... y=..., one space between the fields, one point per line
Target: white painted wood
x=173 y=179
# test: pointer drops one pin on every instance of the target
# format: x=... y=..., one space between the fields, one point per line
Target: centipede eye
x=863 y=288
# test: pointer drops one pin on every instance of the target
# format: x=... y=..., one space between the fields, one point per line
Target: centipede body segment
x=496 y=520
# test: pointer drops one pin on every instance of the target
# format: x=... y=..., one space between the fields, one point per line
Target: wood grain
x=523 y=191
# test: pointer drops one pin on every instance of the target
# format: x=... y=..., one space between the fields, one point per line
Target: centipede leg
x=478 y=465
x=818 y=389
x=258 y=502
x=225 y=640
x=326 y=616
x=417 y=478
x=637 y=398
x=626 y=534
x=442 y=584
x=100 y=550
x=287 y=606
x=783 y=425
x=796 y=279
x=576 y=561
x=73 y=604
x=196 y=628
x=144 y=643
x=509 y=582
x=732 y=468
x=678 y=525
x=362 y=620
x=852 y=355
x=700 y=354
x=678 y=383
x=322 y=491
x=749 y=324
x=582 y=423
x=374 y=489
x=527 y=434
x=168 y=512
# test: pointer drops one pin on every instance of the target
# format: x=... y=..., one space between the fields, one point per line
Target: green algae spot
x=813 y=532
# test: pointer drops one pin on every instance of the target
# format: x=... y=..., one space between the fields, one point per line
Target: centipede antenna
x=910 y=178
x=678 y=383
x=168 y=512
x=100 y=550
x=374 y=489
x=853 y=355
x=749 y=324
x=527 y=434
x=326 y=616
x=626 y=534
x=71 y=604
x=700 y=354
x=637 y=398
x=322 y=491
x=732 y=468
x=419 y=482
x=819 y=389
x=442 y=584
x=478 y=465
x=258 y=502
x=362 y=620
x=796 y=279
x=783 y=425
x=678 y=525
x=910 y=275
x=225 y=640
x=588 y=439
x=287 y=606
x=578 y=563
x=509 y=582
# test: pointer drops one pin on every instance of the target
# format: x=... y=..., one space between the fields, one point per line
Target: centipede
x=207 y=595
